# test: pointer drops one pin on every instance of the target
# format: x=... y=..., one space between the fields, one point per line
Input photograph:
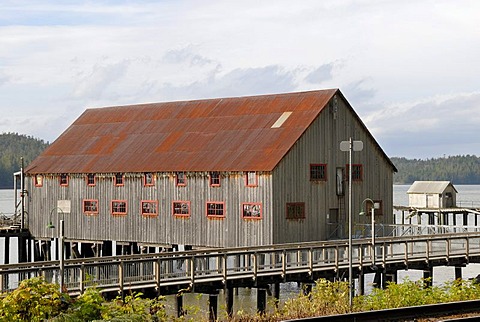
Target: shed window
x=148 y=179
x=63 y=179
x=90 y=206
x=181 y=208
x=251 y=179
x=149 y=207
x=90 y=179
x=295 y=210
x=38 y=180
x=215 y=209
x=318 y=172
x=357 y=172
x=215 y=179
x=119 y=207
x=119 y=179
x=252 y=210
x=181 y=179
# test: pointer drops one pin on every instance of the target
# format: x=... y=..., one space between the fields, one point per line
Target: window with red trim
x=38 y=180
x=119 y=207
x=318 y=172
x=119 y=179
x=149 y=207
x=148 y=179
x=91 y=179
x=215 y=179
x=215 y=209
x=295 y=210
x=64 y=179
x=181 y=179
x=181 y=208
x=251 y=179
x=251 y=210
x=90 y=206
x=357 y=172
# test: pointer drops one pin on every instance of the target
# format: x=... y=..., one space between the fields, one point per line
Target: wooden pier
x=213 y=270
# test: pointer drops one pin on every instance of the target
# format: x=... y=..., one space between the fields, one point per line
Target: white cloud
x=395 y=61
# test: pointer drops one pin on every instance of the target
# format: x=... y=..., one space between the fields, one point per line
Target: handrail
x=203 y=266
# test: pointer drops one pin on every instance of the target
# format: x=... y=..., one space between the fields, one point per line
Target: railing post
x=224 y=263
x=310 y=261
x=284 y=263
x=191 y=265
x=81 y=276
x=121 y=277
x=255 y=268
x=156 y=269
x=2 y=283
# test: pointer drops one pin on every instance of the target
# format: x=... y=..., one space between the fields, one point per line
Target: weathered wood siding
x=196 y=230
x=320 y=144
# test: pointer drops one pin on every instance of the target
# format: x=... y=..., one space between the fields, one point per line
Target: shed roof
x=430 y=187
x=224 y=134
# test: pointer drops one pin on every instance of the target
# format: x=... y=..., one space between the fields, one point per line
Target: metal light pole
x=350 y=146
x=60 y=245
x=373 y=226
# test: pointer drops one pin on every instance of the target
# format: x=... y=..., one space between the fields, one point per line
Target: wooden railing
x=201 y=267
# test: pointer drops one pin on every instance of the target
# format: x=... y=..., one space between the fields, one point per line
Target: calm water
x=468 y=196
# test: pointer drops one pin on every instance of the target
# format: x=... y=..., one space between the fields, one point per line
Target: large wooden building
x=218 y=172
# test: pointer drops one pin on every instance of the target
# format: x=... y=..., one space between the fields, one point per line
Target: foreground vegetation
x=37 y=300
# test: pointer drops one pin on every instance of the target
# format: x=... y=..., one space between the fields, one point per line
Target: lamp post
x=60 y=245
x=363 y=213
x=350 y=146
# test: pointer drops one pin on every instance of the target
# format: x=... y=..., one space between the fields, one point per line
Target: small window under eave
x=281 y=120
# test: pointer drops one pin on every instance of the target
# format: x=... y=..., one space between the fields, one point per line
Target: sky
x=410 y=69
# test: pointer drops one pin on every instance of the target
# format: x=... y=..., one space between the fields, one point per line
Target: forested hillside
x=13 y=146
x=461 y=169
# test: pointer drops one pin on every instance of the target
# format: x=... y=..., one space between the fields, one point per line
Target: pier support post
x=428 y=276
x=229 y=300
x=6 y=255
x=179 y=305
x=377 y=279
x=276 y=293
x=261 y=300
x=458 y=272
x=306 y=289
x=361 y=283
x=212 y=307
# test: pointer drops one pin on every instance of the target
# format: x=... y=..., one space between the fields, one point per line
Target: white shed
x=432 y=194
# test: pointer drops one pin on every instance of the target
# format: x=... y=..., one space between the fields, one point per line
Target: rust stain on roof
x=224 y=134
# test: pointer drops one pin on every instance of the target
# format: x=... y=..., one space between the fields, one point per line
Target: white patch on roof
x=281 y=120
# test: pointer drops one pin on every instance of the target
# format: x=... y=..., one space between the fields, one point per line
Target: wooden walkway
x=213 y=269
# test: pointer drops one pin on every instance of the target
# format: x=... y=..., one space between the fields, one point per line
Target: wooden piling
x=212 y=307
x=229 y=300
x=261 y=300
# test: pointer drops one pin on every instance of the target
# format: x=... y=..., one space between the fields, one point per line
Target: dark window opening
x=63 y=179
x=295 y=210
x=215 y=209
x=148 y=179
x=90 y=206
x=318 y=172
x=119 y=179
x=119 y=207
x=91 y=179
x=215 y=179
x=181 y=179
x=252 y=210
x=149 y=207
x=357 y=172
x=181 y=208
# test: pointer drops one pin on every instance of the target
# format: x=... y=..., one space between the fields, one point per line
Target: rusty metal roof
x=224 y=134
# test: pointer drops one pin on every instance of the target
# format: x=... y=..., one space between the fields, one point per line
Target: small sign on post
x=63 y=206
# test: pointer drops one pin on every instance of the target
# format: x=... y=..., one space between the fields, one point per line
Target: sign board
x=63 y=206
x=345 y=146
